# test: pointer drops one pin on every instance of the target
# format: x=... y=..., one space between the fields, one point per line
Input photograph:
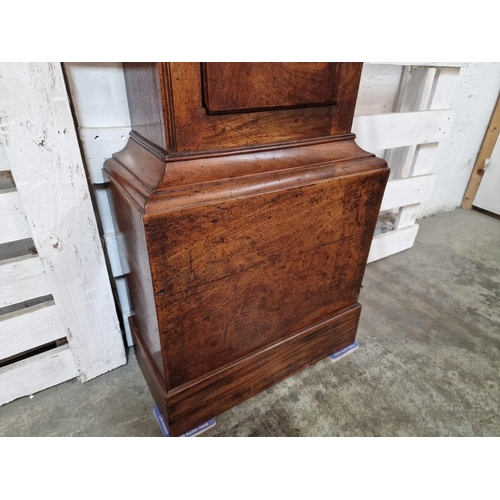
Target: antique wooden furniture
x=248 y=212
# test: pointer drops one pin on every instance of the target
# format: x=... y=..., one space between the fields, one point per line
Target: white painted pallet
x=410 y=136
x=50 y=203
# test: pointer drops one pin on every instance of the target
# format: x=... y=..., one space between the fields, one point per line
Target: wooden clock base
x=222 y=389
x=244 y=268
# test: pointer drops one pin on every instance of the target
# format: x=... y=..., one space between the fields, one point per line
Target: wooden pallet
x=57 y=314
x=410 y=137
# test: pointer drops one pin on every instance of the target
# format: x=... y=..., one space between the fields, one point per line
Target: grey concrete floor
x=428 y=362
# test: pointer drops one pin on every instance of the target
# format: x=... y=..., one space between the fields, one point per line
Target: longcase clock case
x=248 y=211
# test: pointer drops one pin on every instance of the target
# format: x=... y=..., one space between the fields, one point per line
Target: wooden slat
x=402 y=192
x=116 y=248
x=487 y=147
x=124 y=301
x=47 y=166
x=22 y=278
x=407 y=216
x=13 y=224
x=392 y=242
x=99 y=144
x=395 y=130
x=104 y=208
x=28 y=328
x=36 y=373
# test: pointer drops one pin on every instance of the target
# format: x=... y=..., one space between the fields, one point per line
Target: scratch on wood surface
x=253 y=141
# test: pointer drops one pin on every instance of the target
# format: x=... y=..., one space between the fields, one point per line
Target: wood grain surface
x=248 y=237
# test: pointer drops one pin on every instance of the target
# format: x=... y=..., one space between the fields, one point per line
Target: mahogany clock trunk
x=248 y=212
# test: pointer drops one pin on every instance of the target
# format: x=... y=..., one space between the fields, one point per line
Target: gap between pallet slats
x=28 y=328
x=36 y=373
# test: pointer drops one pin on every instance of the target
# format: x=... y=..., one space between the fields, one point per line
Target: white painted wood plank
x=104 y=208
x=446 y=83
x=402 y=192
x=99 y=144
x=36 y=373
x=29 y=328
x=124 y=300
x=13 y=223
x=42 y=148
x=98 y=93
x=105 y=134
x=394 y=130
x=392 y=242
x=415 y=89
x=115 y=247
x=22 y=278
x=406 y=216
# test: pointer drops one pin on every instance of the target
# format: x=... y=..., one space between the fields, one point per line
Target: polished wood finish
x=190 y=128
x=234 y=383
x=263 y=86
x=247 y=243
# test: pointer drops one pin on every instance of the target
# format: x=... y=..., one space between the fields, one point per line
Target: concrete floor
x=428 y=362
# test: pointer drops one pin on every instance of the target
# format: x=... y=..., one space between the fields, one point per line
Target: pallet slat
x=13 y=224
x=36 y=373
x=104 y=208
x=395 y=130
x=22 y=278
x=392 y=242
x=403 y=192
x=100 y=144
x=115 y=246
x=28 y=328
